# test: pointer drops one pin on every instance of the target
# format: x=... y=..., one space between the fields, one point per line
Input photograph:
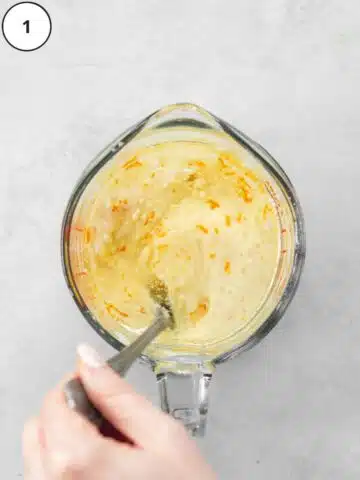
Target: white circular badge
x=26 y=26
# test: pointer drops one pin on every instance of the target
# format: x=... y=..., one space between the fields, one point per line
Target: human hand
x=60 y=444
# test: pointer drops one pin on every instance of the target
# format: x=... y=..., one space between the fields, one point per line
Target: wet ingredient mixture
x=193 y=215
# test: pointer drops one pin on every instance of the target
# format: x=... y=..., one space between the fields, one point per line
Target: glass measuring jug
x=184 y=366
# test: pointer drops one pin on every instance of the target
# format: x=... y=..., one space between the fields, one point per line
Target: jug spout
x=183 y=114
x=184 y=391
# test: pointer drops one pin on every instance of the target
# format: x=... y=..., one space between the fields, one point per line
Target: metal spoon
x=75 y=394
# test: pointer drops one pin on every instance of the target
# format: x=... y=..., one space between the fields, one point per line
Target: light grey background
x=284 y=71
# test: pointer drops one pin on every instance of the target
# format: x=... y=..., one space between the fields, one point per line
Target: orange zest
x=221 y=160
x=114 y=311
x=119 y=206
x=244 y=190
x=266 y=210
x=213 y=204
x=159 y=230
x=191 y=178
x=128 y=292
x=196 y=163
x=132 y=163
x=227 y=267
x=89 y=233
x=147 y=237
x=150 y=216
x=200 y=311
x=202 y=229
x=225 y=160
x=250 y=174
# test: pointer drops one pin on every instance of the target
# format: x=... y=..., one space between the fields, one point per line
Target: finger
x=71 y=442
x=129 y=412
x=32 y=451
x=61 y=425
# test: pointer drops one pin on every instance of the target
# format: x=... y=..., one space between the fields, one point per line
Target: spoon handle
x=123 y=360
x=78 y=400
x=75 y=394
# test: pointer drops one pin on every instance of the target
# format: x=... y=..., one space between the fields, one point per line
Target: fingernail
x=90 y=356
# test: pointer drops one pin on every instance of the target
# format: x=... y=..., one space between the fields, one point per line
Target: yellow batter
x=192 y=214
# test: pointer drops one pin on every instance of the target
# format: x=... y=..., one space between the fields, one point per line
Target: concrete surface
x=287 y=73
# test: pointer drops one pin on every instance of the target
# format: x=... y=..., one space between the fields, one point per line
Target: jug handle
x=184 y=392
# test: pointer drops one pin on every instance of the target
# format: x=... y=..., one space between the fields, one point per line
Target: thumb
x=131 y=414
